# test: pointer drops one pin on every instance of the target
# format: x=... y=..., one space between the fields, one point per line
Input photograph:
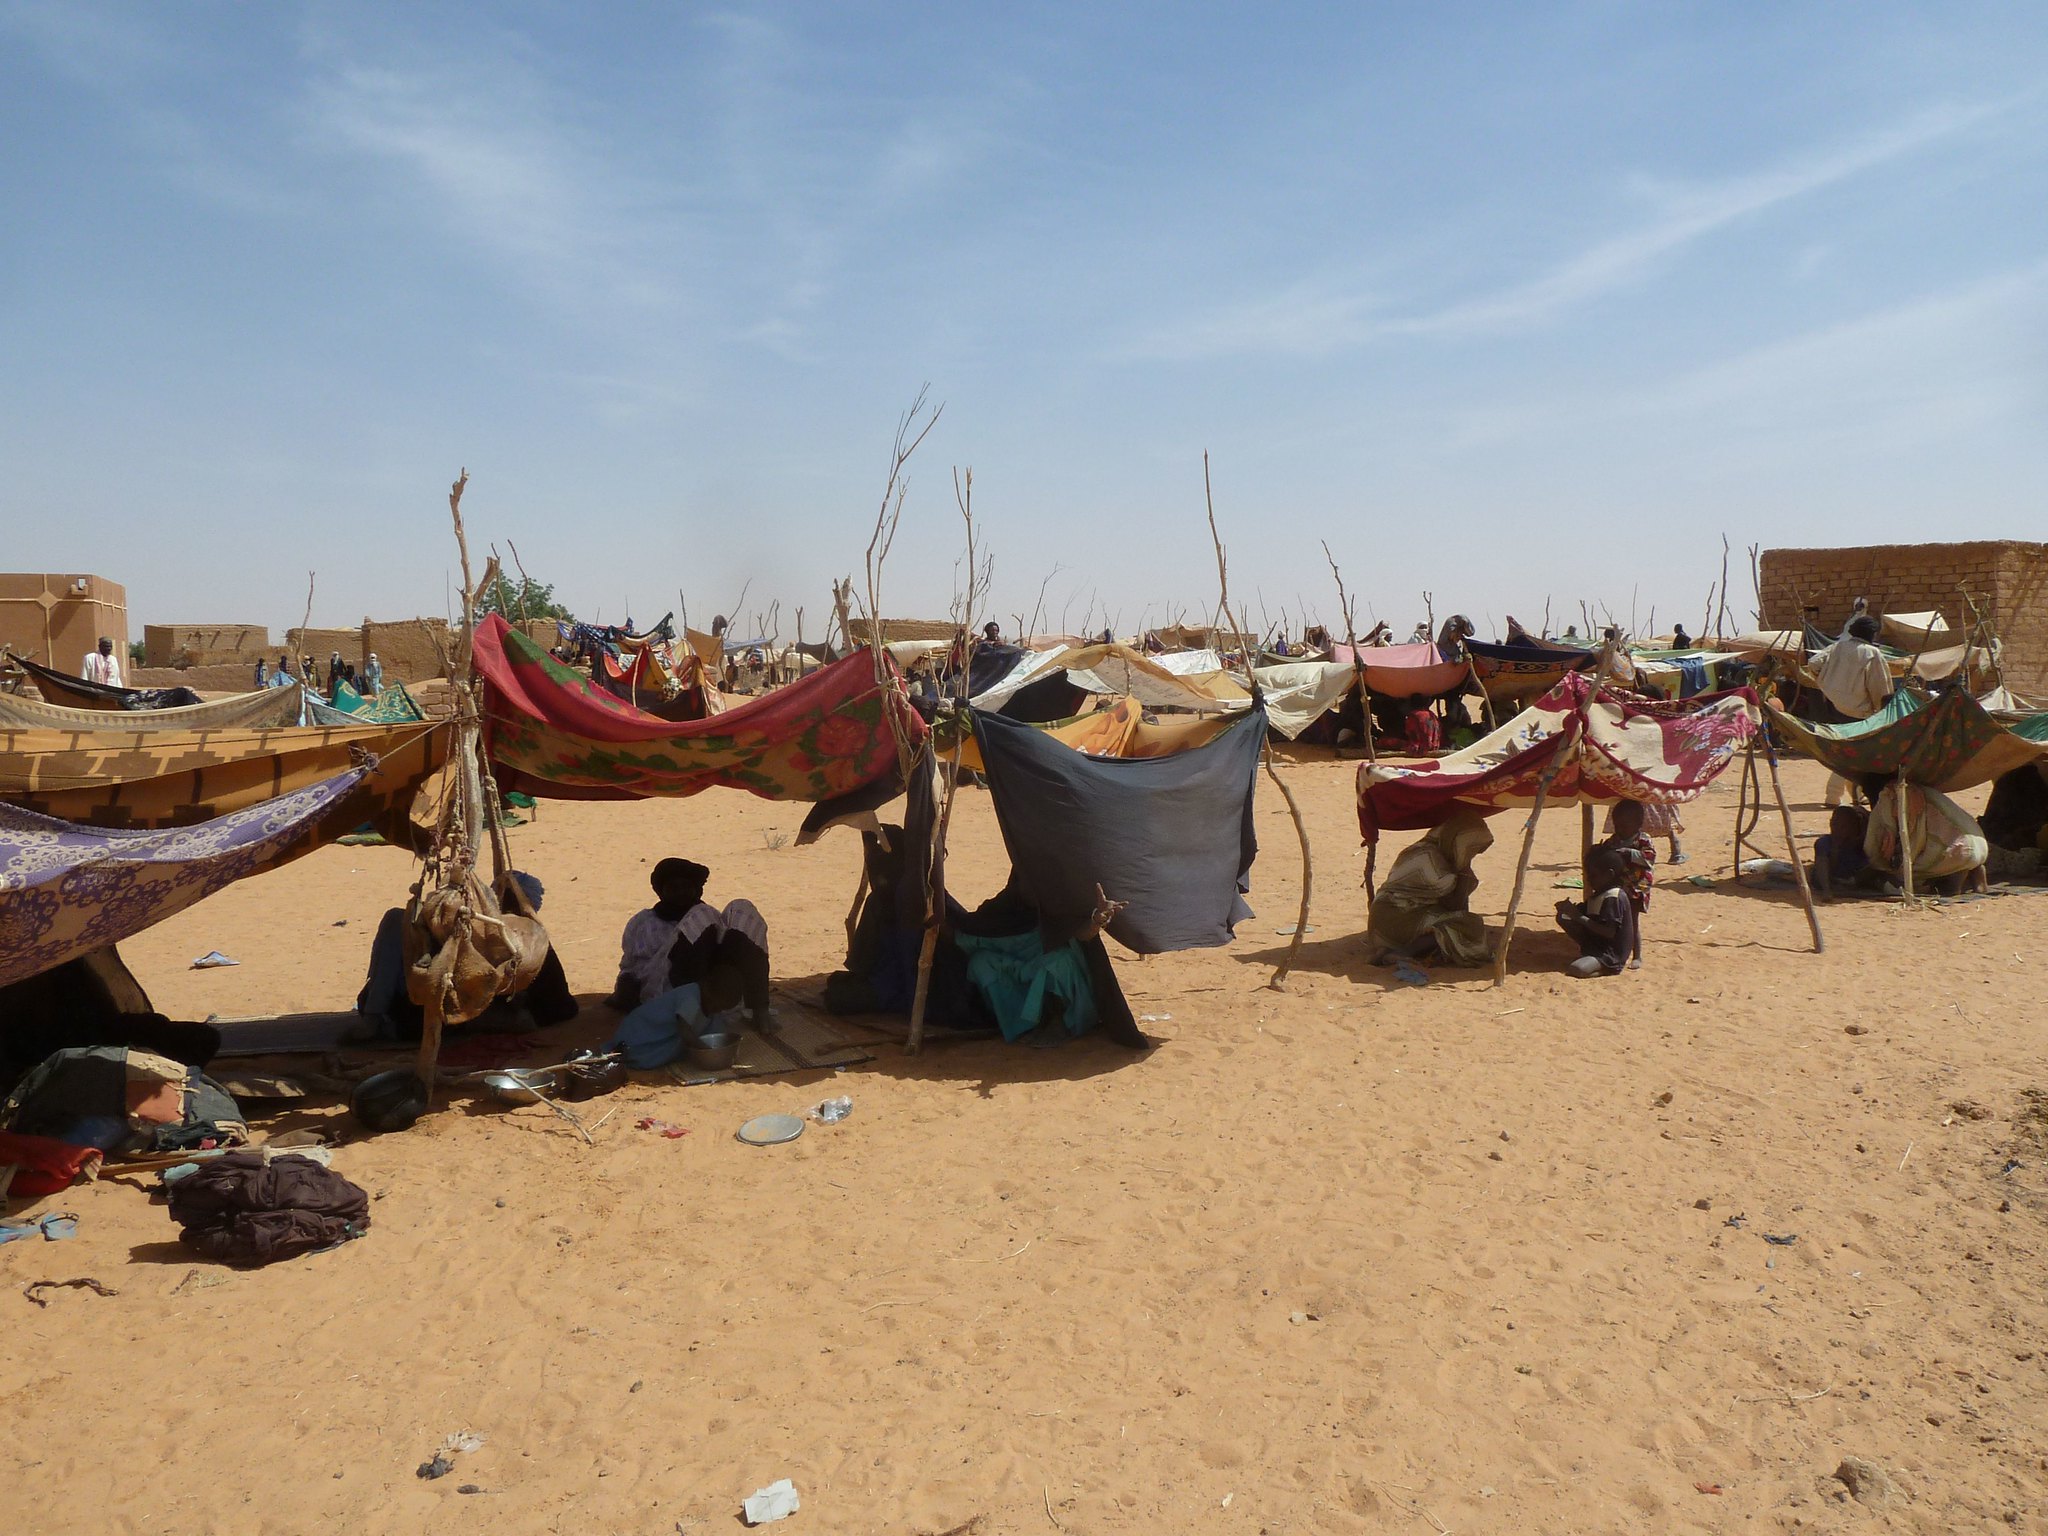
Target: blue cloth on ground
x=651 y=1035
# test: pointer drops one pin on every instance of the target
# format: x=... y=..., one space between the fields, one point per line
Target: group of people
x=689 y=969
x=367 y=680
x=1423 y=909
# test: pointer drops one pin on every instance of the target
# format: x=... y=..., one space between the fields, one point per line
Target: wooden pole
x=1278 y=978
x=1568 y=744
x=1307 y=876
x=935 y=883
x=1749 y=808
x=1905 y=841
x=1791 y=846
x=1585 y=835
x=934 y=911
x=1485 y=698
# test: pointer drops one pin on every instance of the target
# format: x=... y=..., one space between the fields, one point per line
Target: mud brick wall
x=210 y=680
x=406 y=647
x=2008 y=580
x=323 y=643
x=203 y=645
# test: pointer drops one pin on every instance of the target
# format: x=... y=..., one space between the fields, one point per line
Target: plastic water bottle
x=832 y=1111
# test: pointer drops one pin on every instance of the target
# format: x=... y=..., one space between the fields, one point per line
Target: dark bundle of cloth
x=244 y=1210
x=123 y=1101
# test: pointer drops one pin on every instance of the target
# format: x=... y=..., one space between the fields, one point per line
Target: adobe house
x=56 y=620
x=2007 y=579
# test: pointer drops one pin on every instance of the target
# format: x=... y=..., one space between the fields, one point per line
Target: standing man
x=102 y=666
x=1855 y=678
x=373 y=676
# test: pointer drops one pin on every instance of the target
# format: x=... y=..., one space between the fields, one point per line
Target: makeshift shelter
x=1579 y=743
x=1403 y=671
x=66 y=889
x=246 y=711
x=129 y=777
x=1511 y=672
x=62 y=688
x=1914 y=631
x=1686 y=674
x=1120 y=730
x=1299 y=693
x=393 y=705
x=553 y=732
x=1171 y=835
x=1947 y=743
x=1121 y=672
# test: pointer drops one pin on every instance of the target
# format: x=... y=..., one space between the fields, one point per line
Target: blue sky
x=1515 y=304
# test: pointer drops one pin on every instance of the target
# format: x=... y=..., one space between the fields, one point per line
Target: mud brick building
x=204 y=645
x=2006 y=578
x=56 y=619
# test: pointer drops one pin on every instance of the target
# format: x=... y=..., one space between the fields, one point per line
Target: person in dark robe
x=92 y=1000
x=389 y=1010
x=1000 y=966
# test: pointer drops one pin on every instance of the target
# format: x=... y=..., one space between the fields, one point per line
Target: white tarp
x=1298 y=693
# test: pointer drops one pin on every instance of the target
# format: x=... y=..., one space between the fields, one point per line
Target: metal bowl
x=712 y=1052
x=517 y=1087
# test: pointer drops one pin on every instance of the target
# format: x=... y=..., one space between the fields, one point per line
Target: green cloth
x=1017 y=976
x=393 y=706
x=1950 y=743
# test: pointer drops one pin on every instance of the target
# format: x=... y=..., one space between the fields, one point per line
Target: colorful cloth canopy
x=1950 y=743
x=392 y=706
x=556 y=733
x=67 y=889
x=1605 y=749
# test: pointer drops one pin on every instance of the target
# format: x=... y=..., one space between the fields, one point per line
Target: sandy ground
x=1351 y=1258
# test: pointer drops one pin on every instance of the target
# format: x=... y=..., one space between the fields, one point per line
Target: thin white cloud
x=1965 y=356
x=1308 y=319
x=503 y=175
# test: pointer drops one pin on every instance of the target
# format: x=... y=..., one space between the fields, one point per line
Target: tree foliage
x=523 y=598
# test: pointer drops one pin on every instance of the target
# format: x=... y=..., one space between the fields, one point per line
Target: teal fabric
x=1017 y=976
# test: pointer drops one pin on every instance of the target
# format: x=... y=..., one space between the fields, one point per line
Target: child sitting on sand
x=1838 y=856
x=1638 y=856
x=1604 y=924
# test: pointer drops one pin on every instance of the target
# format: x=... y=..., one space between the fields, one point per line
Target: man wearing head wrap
x=684 y=940
x=1855 y=678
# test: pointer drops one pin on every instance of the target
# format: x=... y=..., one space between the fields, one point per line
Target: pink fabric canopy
x=1402 y=670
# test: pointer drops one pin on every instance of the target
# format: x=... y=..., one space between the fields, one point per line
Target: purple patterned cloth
x=66 y=890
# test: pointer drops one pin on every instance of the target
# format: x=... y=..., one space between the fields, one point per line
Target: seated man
x=1604 y=924
x=1944 y=846
x=683 y=940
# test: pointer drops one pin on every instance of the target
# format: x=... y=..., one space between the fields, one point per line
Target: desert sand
x=1355 y=1257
